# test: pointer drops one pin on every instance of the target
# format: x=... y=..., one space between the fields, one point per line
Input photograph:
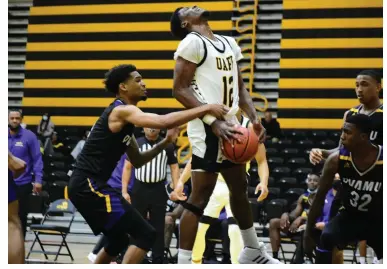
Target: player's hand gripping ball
x=243 y=150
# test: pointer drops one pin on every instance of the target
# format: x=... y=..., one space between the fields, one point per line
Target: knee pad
x=146 y=240
x=231 y=221
x=116 y=245
x=194 y=209
x=207 y=220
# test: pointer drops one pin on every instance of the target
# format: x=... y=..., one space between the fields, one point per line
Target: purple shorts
x=99 y=204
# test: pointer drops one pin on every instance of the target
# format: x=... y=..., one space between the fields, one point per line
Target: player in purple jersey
x=102 y=207
x=16 y=167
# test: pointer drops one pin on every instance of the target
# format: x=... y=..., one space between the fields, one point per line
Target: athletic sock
x=184 y=256
x=250 y=238
x=275 y=255
x=362 y=260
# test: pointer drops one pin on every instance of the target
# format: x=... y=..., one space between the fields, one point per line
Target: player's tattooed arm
x=328 y=175
x=138 y=158
x=183 y=75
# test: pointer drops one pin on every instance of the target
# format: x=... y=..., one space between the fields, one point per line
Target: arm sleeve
x=171 y=154
x=190 y=49
x=235 y=48
x=36 y=157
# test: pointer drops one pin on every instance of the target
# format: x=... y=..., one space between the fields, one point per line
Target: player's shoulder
x=29 y=133
x=380 y=109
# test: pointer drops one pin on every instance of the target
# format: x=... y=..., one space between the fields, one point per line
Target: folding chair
x=59 y=212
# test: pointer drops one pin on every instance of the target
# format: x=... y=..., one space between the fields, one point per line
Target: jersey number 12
x=227 y=91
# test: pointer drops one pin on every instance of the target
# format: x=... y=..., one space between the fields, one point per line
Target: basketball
x=243 y=151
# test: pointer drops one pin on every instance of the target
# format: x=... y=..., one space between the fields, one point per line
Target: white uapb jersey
x=215 y=82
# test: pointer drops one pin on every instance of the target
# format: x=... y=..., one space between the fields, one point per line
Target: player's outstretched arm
x=317 y=155
x=328 y=175
x=263 y=172
x=138 y=158
x=134 y=115
x=16 y=165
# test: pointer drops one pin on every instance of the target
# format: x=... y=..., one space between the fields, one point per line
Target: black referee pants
x=152 y=198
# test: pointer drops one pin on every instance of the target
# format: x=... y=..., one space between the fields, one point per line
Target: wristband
x=168 y=189
x=208 y=119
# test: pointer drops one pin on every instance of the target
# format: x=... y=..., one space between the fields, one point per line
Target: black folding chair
x=59 y=212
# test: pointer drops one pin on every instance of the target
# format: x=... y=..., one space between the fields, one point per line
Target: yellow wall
x=324 y=45
x=72 y=43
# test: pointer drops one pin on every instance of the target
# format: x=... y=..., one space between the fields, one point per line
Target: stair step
x=274 y=36
x=268 y=56
x=270 y=17
x=16 y=76
x=16 y=66
x=25 y=14
x=268 y=46
x=18 y=22
x=269 y=26
x=267 y=75
x=266 y=85
x=18 y=31
x=17 y=40
x=269 y=6
x=16 y=94
x=17 y=58
x=16 y=85
x=18 y=48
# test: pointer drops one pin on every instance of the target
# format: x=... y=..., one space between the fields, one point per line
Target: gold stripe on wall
x=310 y=123
x=332 y=23
x=321 y=4
x=118 y=27
x=331 y=63
x=96 y=102
x=103 y=46
x=63 y=120
x=331 y=43
x=88 y=83
x=127 y=8
x=98 y=64
x=316 y=103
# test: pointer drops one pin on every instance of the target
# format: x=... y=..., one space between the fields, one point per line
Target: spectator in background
x=273 y=130
x=45 y=128
x=289 y=223
x=78 y=148
x=54 y=145
x=24 y=144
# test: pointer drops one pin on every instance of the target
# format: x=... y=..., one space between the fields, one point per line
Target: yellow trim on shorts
x=106 y=196
x=345 y=158
x=66 y=193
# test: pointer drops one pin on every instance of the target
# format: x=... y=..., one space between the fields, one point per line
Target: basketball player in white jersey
x=220 y=199
x=206 y=71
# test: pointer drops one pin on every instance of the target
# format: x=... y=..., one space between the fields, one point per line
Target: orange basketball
x=243 y=151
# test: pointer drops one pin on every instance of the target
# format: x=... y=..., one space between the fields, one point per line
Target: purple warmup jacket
x=115 y=181
x=25 y=145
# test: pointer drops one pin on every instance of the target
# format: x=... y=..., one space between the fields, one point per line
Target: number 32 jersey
x=215 y=80
x=362 y=191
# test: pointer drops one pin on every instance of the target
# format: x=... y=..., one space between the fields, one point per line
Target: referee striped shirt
x=155 y=170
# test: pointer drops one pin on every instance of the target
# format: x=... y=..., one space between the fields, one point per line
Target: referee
x=149 y=190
